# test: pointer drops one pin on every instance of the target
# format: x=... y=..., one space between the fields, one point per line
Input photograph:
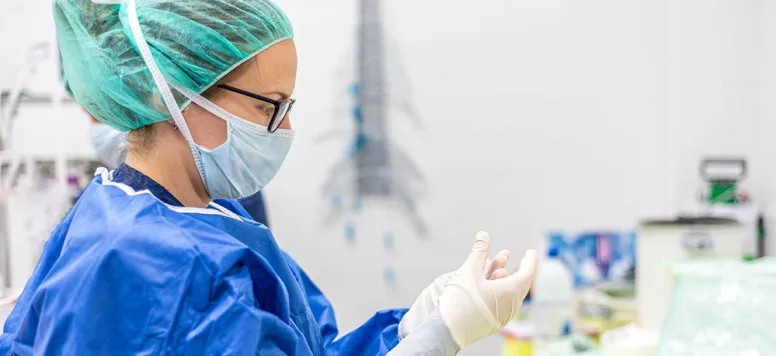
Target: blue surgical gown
x=130 y=271
x=254 y=206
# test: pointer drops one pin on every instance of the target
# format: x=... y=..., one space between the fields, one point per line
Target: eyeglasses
x=281 y=110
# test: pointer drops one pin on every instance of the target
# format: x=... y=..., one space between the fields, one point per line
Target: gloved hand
x=473 y=306
x=429 y=297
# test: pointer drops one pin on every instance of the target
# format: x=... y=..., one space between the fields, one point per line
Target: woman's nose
x=286 y=124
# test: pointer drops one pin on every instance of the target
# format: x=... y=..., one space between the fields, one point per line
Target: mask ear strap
x=204 y=103
x=161 y=84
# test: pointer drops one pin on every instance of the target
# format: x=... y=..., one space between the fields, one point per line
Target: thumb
x=480 y=251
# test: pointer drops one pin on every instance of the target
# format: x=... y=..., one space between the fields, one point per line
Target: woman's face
x=271 y=74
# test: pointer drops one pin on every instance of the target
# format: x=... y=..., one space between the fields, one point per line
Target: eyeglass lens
x=280 y=114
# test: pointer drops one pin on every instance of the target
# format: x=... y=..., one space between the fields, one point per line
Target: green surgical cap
x=194 y=42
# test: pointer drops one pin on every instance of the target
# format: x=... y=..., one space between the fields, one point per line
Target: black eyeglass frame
x=277 y=119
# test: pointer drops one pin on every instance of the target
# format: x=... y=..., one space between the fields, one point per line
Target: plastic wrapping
x=721 y=308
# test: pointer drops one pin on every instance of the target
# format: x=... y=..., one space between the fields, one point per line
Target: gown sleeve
x=143 y=297
x=232 y=325
x=375 y=337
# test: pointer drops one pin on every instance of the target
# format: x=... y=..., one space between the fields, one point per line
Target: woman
x=156 y=257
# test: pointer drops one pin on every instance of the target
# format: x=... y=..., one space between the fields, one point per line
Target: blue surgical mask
x=109 y=145
x=247 y=161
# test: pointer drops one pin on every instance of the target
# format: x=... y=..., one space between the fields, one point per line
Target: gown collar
x=139 y=181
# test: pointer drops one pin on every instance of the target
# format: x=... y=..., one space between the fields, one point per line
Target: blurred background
x=543 y=122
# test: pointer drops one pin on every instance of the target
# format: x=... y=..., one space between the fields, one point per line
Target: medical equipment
x=375 y=166
x=723 y=198
x=629 y=340
x=519 y=339
x=721 y=308
x=10 y=100
x=388 y=241
x=723 y=175
x=552 y=298
x=661 y=243
x=389 y=275
x=606 y=307
x=596 y=257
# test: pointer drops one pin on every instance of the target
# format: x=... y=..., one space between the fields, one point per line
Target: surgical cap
x=194 y=43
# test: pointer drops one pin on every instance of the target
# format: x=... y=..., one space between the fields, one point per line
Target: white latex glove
x=473 y=306
x=429 y=297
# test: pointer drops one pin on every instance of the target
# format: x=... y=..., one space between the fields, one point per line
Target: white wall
x=766 y=86
x=713 y=96
x=539 y=115
x=22 y=25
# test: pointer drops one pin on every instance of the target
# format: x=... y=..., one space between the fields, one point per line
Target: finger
x=528 y=265
x=498 y=274
x=480 y=252
x=499 y=256
x=501 y=259
x=524 y=276
x=498 y=262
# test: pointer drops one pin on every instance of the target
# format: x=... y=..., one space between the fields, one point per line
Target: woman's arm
x=431 y=338
x=375 y=337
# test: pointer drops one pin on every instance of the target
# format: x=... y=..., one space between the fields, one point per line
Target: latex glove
x=473 y=306
x=428 y=299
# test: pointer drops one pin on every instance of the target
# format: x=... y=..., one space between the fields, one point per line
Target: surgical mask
x=247 y=161
x=109 y=145
x=250 y=157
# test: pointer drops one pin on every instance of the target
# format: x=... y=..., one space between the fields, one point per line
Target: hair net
x=194 y=42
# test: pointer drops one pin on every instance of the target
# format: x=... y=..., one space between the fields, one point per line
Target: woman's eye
x=267 y=110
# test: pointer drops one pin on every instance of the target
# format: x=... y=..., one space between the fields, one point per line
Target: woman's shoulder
x=173 y=237
x=111 y=224
x=153 y=232
x=135 y=245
